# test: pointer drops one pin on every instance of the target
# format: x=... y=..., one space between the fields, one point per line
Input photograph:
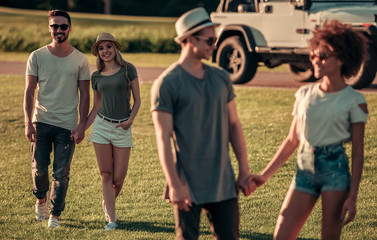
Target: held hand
x=30 y=132
x=180 y=197
x=251 y=184
x=74 y=135
x=349 y=207
x=259 y=180
x=125 y=125
x=78 y=134
x=245 y=184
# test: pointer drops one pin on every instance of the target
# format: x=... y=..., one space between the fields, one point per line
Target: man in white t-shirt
x=60 y=72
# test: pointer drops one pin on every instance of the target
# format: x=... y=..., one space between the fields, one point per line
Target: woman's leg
x=296 y=208
x=332 y=203
x=121 y=160
x=104 y=153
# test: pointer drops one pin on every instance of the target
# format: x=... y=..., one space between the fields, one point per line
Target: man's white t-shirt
x=57 y=96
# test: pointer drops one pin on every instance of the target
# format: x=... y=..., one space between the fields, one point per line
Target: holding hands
x=250 y=183
x=78 y=134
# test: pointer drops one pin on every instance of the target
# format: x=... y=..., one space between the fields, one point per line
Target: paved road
x=147 y=74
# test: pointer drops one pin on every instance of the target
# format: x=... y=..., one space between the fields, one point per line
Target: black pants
x=223 y=219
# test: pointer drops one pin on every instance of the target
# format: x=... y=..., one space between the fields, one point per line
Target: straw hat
x=104 y=37
x=192 y=22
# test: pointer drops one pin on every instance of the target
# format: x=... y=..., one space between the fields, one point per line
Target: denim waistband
x=328 y=149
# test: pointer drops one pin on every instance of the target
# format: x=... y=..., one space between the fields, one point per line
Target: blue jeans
x=48 y=136
x=331 y=172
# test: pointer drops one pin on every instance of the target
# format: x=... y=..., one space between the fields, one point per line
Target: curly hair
x=62 y=13
x=349 y=45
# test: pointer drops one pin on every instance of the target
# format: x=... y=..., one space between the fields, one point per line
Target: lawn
x=265 y=116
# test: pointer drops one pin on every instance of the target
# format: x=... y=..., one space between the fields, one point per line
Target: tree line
x=163 y=8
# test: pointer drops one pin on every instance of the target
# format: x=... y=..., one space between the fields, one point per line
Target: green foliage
x=265 y=116
x=25 y=31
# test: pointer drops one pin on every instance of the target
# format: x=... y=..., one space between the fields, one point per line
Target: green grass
x=265 y=115
x=138 y=59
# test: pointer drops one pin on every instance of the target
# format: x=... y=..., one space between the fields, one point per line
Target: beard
x=60 y=37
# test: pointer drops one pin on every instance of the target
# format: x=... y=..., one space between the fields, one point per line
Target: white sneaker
x=41 y=211
x=53 y=222
x=111 y=226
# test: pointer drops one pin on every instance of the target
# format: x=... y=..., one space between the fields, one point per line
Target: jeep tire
x=302 y=73
x=235 y=58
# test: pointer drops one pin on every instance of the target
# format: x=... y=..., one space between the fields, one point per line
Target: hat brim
x=94 y=48
x=179 y=39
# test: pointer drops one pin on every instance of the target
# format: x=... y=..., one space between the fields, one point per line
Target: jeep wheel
x=235 y=58
x=367 y=72
x=302 y=73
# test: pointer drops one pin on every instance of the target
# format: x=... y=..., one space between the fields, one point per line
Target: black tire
x=367 y=72
x=302 y=73
x=235 y=58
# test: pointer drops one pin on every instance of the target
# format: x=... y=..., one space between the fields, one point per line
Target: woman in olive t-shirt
x=113 y=117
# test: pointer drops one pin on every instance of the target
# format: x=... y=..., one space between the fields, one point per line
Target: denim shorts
x=331 y=172
x=105 y=132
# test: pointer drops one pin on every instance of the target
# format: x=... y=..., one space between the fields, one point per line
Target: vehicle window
x=241 y=6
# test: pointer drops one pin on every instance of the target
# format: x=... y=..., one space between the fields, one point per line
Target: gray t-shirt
x=115 y=92
x=200 y=122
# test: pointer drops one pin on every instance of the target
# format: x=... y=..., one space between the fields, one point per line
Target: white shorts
x=105 y=132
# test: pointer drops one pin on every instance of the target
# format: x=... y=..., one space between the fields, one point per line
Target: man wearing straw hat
x=193 y=105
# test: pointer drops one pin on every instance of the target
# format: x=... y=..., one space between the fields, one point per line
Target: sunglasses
x=63 y=27
x=209 y=40
x=321 y=55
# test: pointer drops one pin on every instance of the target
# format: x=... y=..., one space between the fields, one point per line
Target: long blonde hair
x=118 y=60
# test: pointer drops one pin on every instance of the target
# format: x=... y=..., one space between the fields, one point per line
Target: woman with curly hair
x=325 y=116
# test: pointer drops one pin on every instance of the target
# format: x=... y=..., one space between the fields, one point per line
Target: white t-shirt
x=57 y=98
x=326 y=118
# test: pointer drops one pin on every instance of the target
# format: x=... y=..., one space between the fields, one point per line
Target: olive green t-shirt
x=115 y=91
x=201 y=125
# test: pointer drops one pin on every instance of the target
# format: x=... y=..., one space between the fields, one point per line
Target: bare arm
x=178 y=191
x=238 y=142
x=135 y=108
x=94 y=111
x=30 y=85
x=83 y=110
x=357 y=136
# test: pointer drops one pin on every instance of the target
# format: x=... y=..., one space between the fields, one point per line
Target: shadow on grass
x=122 y=225
x=146 y=226
x=154 y=227
x=255 y=236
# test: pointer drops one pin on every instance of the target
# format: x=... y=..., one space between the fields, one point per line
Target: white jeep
x=275 y=32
